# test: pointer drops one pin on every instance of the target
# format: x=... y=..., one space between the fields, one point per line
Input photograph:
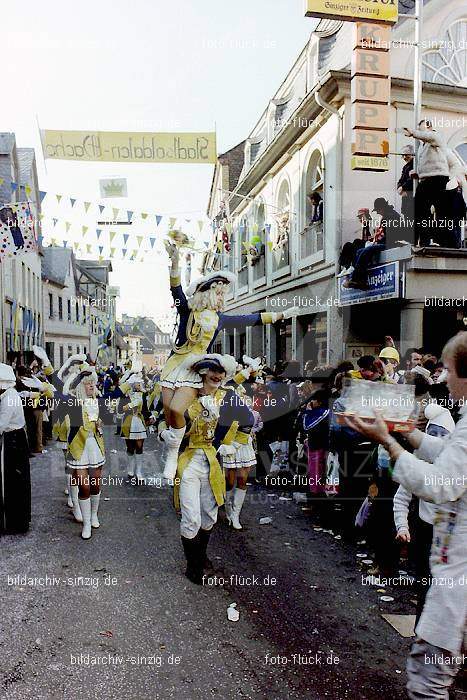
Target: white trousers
x=197 y=502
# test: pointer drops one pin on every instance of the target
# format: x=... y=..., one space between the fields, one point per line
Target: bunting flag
x=158 y=219
x=112 y=235
x=125 y=238
x=112 y=252
x=124 y=251
x=86 y=206
x=267 y=228
x=14 y=186
x=42 y=195
x=67 y=226
x=101 y=249
x=73 y=202
x=55 y=222
x=101 y=208
x=129 y=215
x=152 y=241
x=115 y=213
x=28 y=190
x=88 y=248
x=84 y=229
x=76 y=245
x=65 y=243
x=140 y=240
x=2 y=180
x=200 y=225
x=270 y=244
x=144 y=215
x=59 y=198
x=98 y=232
x=172 y=221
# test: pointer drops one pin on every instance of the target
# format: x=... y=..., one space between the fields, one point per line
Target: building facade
x=263 y=228
x=154 y=345
x=21 y=310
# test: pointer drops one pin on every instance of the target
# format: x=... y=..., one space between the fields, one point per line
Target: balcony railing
x=311 y=240
x=243 y=277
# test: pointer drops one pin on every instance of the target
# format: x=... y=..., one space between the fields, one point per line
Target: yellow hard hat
x=390 y=354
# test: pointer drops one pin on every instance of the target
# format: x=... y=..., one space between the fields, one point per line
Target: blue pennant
x=125 y=238
x=152 y=241
x=98 y=232
x=129 y=215
x=73 y=201
x=158 y=219
x=101 y=208
x=42 y=195
x=55 y=221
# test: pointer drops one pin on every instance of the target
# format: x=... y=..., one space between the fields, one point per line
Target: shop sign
x=382 y=11
x=383 y=283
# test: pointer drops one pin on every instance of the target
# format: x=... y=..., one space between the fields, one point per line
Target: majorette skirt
x=92 y=456
x=137 y=429
x=244 y=457
x=181 y=375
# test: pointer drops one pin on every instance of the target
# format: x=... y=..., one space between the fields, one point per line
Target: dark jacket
x=405 y=181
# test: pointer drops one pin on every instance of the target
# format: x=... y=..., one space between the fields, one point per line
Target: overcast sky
x=145 y=65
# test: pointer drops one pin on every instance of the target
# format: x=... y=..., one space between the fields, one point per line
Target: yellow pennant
x=115 y=213
x=86 y=206
x=59 y=198
x=1 y=181
x=28 y=189
x=172 y=221
x=144 y=215
x=140 y=240
x=112 y=252
x=53 y=241
x=76 y=246
x=85 y=230
x=67 y=226
x=270 y=245
x=88 y=247
x=112 y=235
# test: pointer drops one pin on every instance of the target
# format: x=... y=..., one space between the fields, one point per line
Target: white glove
x=290 y=313
x=253 y=364
x=172 y=252
x=169 y=438
x=41 y=354
x=209 y=403
x=226 y=450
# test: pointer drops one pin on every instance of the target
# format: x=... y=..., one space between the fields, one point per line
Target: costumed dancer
x=201 y=318
x=85 y=439
x=15 y=482
x=200 y=484
x=237 y=465
x=134 y=424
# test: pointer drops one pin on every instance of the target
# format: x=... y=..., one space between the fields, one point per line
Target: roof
x=56 y=263
x=234 y=158
x=97 y=269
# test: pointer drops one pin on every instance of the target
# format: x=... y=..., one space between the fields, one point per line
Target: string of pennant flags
x=116 y=211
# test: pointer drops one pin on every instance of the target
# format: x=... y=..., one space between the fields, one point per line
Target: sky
x=145 y=65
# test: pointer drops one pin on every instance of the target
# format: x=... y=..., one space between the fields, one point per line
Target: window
x=461 y=151
x=84 y=314
x=85 y=350
x=68 y=307
x=62 y=356
x=242 y=253
x=51 y=305
x=60 y=310
x=77 y=349
x=280 y=241
x=448 y=63
x=312 y=236
x=77 y=312
x=70 y=350
x=258 y=241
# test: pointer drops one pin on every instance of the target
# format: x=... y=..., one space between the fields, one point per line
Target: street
x=116 y=618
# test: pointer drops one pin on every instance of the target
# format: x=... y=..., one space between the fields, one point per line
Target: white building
x=301 y=144
x=68 y=327
x=21 y=312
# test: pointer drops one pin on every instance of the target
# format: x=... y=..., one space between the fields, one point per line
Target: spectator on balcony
x=433 y=176
x=350 y=248
x=317 y=204
x=456 y=198
x=388 y=234
x=405 y=186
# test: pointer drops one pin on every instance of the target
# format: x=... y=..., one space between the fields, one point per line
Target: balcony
x=311 y=241
x=242 y=277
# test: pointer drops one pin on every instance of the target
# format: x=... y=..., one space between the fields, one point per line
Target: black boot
x=204 y=536
x=194 y=567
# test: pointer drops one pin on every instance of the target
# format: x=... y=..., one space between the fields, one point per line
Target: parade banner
x=129 y=147
x=17 y=232
x=381 y=11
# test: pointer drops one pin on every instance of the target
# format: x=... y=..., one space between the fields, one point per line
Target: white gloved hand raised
x=41 y=354
x=253 y=363
x=172 y=252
